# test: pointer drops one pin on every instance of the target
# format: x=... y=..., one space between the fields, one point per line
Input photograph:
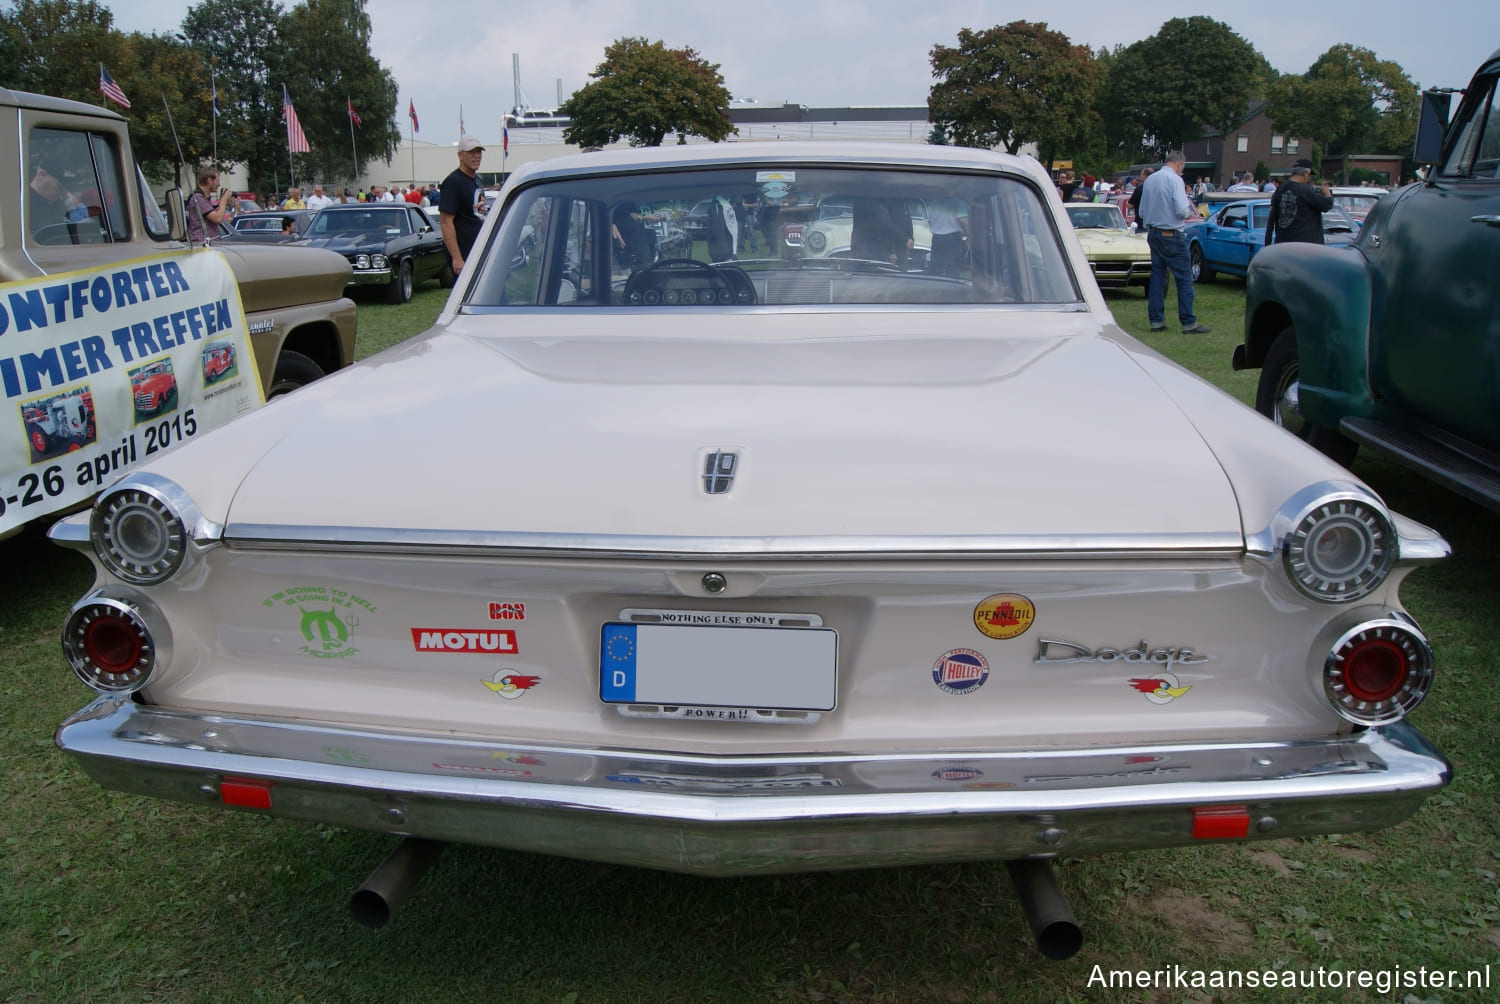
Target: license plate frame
x=765 y=668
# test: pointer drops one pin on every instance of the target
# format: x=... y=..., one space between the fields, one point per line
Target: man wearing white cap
x=458 y=205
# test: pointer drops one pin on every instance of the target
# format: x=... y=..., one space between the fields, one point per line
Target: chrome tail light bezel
x=154 y=510
x=150 y=641
x=1399 y=637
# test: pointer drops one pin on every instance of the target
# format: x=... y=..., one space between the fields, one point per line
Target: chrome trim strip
x=759 y=814
x=434 y=542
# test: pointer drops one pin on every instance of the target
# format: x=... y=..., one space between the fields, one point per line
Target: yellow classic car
x=1118 y=256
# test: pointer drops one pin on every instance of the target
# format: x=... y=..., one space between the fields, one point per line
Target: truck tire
x=293 y=370
x=40 y=441
x=399 y=291
x=1276 y=398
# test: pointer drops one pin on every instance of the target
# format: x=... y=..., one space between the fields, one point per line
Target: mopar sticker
x=1004 y=615
x=327 y=618
x=961 y=671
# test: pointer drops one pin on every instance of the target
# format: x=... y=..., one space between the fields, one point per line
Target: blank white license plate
x=779 y=669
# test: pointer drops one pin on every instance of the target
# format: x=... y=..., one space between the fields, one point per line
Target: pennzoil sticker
x=961 y=671
x=1004 y=615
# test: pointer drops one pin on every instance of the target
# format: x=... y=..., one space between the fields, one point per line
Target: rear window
x=746 y=235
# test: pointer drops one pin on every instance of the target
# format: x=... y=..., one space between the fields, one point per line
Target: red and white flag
x=411 y=109
x=296 y=142
x=353 y=115
x=110 y=89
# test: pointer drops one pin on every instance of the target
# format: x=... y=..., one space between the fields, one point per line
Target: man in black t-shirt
x=1297 y=208
x=461 y=196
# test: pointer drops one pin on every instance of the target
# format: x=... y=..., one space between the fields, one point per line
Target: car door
x=429 y=255
x=1228 y=243
x=1437 y=352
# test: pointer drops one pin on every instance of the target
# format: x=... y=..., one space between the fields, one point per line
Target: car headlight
x=1340 y=549
x=361 y=261
x=139 y=528
x=115 y=643
x=1377 y=672
x=816 y=240
x=378 y=261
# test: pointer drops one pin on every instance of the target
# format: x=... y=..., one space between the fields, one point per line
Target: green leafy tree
x=327 y=64
x=1194 y=74
x=1351 y=100
x=161 y=72
x=642 y=91
x=55 y=47
x=238 y=41
x=1014 y=84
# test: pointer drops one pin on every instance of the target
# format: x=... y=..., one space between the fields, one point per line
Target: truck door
x=1440 y=351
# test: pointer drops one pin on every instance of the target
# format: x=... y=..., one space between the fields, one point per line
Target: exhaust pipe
x=374 y=903
x=1052 y=924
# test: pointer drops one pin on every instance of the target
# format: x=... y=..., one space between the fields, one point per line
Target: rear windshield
x=744 y=236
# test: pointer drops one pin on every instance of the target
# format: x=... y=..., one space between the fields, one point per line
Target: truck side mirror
x=1431 y=125
x=176 y=215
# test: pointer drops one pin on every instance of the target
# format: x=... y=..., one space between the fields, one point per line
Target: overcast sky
x=832 y=52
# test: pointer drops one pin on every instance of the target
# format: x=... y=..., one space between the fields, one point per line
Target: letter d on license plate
x=779 y=669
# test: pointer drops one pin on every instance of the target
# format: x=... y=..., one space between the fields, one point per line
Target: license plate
x=779 y=669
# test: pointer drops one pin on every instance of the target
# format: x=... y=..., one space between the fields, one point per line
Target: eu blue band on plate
x=617 y=663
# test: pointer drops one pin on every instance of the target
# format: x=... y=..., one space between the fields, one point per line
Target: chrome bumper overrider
x=720 y=815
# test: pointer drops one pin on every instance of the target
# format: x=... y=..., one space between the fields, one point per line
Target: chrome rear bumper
x=763 y=814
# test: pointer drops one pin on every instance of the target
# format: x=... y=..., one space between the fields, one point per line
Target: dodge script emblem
x=718 y=471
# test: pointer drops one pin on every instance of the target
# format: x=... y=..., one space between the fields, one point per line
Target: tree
x=326 y=64
x=642 y=91
x=1012 y=85
x=1194 y=74
x=160 y=72
x=1350 y=99
x=55 y=47
x=238 y=39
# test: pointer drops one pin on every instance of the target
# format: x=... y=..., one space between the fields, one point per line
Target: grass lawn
x=113 y=898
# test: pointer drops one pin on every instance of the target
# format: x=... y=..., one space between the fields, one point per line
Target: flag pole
x=412 y=145
x=349 y=106
x=213 y=78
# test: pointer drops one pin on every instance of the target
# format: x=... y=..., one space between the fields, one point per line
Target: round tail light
x=1378 y=672
x=114 y=645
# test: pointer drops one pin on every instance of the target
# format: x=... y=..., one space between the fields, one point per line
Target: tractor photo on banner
x=100 y=369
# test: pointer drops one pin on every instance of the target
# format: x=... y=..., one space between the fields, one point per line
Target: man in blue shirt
x=1164 y=207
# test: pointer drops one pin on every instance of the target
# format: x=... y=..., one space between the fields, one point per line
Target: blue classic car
x=1232 y=233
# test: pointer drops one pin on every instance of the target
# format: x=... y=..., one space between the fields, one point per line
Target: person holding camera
x=203 y=214
x=1297 y=208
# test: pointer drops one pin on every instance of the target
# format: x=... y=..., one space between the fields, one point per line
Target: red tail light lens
x=114 y=644
x=1378 y=672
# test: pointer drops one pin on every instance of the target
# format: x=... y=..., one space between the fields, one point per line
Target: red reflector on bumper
x=1221 y=822
x=245 y=793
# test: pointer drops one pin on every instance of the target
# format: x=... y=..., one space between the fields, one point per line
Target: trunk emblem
x=718 y=471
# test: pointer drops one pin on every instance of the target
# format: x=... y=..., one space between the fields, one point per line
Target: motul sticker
x=459 y=640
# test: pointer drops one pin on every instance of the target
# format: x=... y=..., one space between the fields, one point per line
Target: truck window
x=75 y=193
x=1476 y=154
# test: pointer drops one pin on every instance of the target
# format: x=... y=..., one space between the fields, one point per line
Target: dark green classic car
x=1395 y=344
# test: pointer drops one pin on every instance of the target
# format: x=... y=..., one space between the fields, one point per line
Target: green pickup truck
x=1393 y=343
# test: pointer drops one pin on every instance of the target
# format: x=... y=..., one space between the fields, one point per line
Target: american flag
x=353 y=115
x=296 y=142
x=411 y=109
x=214 y=84
x=110 y=89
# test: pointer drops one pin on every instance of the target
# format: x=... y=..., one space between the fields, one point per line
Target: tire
x=40 y=441
x=446 y=278
x=399 y=291
x=1199 y=268
x=1276 y=398
x=293 y=370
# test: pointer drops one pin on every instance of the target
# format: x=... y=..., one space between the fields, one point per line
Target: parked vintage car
x=265 y=227
x=1357 y=200
x=1393 y=347
x=830 y=234
x=1118 y=256
x=395 y=245
x=763 y=566
x=1233 y=233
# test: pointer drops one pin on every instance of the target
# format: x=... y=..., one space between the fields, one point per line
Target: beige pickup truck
x=72 y=198
x=301 y=324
